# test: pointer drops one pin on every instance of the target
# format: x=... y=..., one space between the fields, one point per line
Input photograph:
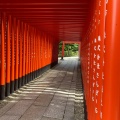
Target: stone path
x=52 y=96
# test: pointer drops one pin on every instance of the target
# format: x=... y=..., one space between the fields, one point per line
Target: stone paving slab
x=9 y=117
x=30 y=96
x=55 y=111
x=68 y=115
x=48 y=118
x=34 y=113
x=43 y=100
x=6 y=108
x=18 y=111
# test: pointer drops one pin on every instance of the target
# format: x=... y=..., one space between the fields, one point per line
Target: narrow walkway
x=52 y=96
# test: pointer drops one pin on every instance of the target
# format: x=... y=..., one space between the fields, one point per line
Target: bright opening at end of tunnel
x=68 y=49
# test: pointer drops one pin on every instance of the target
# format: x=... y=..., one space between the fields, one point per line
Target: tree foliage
x=70 y=49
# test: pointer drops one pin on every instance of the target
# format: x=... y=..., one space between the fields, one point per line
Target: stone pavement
x=55 y=95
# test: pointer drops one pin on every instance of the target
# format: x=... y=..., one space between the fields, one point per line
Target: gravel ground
x=79 y=99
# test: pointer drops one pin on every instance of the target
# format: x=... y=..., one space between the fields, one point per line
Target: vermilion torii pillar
x=63 y=46
x=111 y=95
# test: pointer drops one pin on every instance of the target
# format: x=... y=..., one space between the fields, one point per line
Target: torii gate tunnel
x=30 y=32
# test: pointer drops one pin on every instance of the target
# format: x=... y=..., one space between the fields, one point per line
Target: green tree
x=70 y=49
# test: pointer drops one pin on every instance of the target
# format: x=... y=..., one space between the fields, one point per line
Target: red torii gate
x=69 y=42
